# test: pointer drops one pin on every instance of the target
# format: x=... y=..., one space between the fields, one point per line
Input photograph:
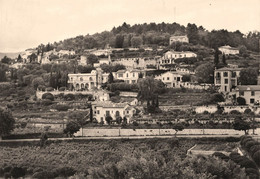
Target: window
x=225 y=88
x=163 y=78
x=226 y=81
x=127 y=75
x=252 y=100
x=120 y=75
x=217 y=81
x=127 y=112
x=174 y=78
x=217 y=75
x=168 y=78
x=178 y=79
x=241 y=93
x=107 y=113
x=225 y=74
x=234 y=74
x=252 y=93
x=81 y=79
x=133 y=74
x=133 y=81
x=97 y=111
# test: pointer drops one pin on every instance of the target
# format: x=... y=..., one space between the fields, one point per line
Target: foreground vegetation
x=153 y=158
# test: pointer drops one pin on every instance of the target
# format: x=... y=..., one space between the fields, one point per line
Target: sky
x=28 y=23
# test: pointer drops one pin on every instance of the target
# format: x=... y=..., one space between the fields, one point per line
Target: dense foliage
x=149 y=158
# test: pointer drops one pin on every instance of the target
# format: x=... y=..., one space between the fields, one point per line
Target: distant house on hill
x=102 y=109
x=87 y=81
x=250 y=93
x=170 y=56
x=226 y=78
x=171 y=79
x=182 y=38
x=227 y=50
x=129 y=76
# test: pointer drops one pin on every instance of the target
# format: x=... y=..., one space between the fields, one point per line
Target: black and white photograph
x=130 y=89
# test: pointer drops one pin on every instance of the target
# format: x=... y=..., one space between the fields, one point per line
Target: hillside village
x=68 y=89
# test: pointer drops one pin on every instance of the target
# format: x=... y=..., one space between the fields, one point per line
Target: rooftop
x=175 y=52
x=228 y=47
x=229 y=69
x=248 y=88
x=109 y=104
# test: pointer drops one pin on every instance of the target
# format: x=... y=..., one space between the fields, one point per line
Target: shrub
x=245 y=140
x=17 y=172
x=236 y=112
x=62 y=88
x=252 y=173
x=253 y=149
x=41 y=175
x=249 y=144
x=241 y=101
x=64 y=172
x=49 y=89
x=135 y=123
x=7 y=169
x=48 y=96
x=247 y=111
x=62 y=107
x=221 y=156
x=247 y=163
x=256 y=157
x=69 y=97
x=46 y=102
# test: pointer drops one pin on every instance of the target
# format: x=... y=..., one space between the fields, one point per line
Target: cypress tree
x=224 y=59
x=216 y=58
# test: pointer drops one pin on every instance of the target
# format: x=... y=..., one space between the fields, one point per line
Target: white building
x=170 y=79
x=83 y=60
x=184 y=71
x=227 y=50
x=86 y=81
x=250 y=93
x=137 y=62
x=129 y=76
x=102 y=109
x=170 y=56
x=66 y=52
x=226 y=78
x=183 y=39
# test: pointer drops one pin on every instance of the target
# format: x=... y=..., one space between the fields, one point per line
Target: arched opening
x=86 y=86
x=82 y=86
x=77 y=86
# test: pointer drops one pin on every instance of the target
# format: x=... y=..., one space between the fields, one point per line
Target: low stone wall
x=153 y=132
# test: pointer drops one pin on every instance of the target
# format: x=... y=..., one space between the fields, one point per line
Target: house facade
x=250 y=93
x=226 y=78
x=183 y=39
x=170 y=56
x=170 y=79
x=137 y=62
x=87 y=81
x=107 y=108
x=227 y=50
x=129 y=76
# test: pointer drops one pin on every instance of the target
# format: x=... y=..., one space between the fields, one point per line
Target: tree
x=136 y=41
x=241 y=125
x=108 y=119
x=110 y=78
x=92 y=59
x=177 y=127
x=19 y=58
x=71 y=128
x=248 y=76
x=7 y=122
x=48 y=96
x=6 y=60
x=205 y=73
x=216 y=57
x=32 y=57
x=17 y=172
x=241 y=101
x=224 y=59
x=186 y=78
x=119 y=41
x=2 y=74
x=149 y=88
x=37 y=81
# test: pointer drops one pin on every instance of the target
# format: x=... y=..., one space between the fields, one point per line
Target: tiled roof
x=229 y=69
x=109 y=104
x=248 y=88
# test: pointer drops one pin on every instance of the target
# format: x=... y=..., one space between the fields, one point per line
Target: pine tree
x=110 y=78
x=224 y=59
x=216 y=58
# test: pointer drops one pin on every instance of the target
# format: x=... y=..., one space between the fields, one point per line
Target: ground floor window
x=252 y=100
